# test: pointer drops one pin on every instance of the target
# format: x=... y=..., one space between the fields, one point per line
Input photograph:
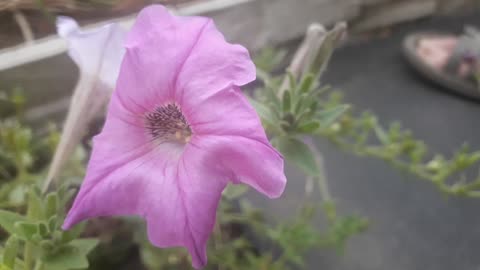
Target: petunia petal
x=231 y=128
x=157 y=46
x=226 y=113
x=185 y=59
x=247 y=161
x=97 y=52
x=186 y=216
x=178 y=196
x=120 y=153
x=212 y=66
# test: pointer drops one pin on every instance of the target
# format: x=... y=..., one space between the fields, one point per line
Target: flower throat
x=168 y=124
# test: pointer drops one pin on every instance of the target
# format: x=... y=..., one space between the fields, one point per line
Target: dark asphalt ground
x=413 y=226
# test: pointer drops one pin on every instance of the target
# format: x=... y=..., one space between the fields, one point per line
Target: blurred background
x=413 y=225
x=27 y=28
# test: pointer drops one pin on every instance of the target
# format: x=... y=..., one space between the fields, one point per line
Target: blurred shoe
x=450 y=61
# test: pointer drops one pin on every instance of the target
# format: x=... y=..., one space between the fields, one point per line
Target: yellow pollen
x=178 y=134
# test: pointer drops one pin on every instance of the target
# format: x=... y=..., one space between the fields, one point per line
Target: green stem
x=323 y=182
x=29 y=247
x=321 y=177
x=419 y=170
x=28 y=256
x=39 y=265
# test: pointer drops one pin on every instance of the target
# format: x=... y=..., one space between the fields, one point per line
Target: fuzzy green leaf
x=8 y=219
x=26 y=230
x=35 y=204
x=263 y=111
x=4 y=267
x=73 y=233
x=292 y=81
x=381 y=135
x=52 y=223
x=307 y=83
x=233 y=192
x=287 y=101
x=298 y=153
x=10 y=251
x=328 y=117
x=72 y=256
x=18 y=195
x=309 y=127
x=51 y=205
x=47 y=246
x=43 y=229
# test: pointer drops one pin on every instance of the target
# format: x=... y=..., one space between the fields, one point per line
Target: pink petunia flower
x=178 y=130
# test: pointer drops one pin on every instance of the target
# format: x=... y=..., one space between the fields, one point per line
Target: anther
x=167 y=123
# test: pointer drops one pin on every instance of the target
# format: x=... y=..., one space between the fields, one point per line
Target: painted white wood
x=256 y=23
x=54 y=45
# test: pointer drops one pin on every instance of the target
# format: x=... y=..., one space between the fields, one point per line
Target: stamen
x=167 y=123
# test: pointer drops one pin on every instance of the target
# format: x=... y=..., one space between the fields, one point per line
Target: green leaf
x=52 y=223
x=306 y=84
x=287 y=101
x=269 y=58
x=292 y=81
x=233 y=192
x=8 y=219
x=18 y=195
x=69 y=194
x=73 y=233
x=26 y=230
x=51 y=205
x=35 y=204
x=345 y=227
x=4 y=267
x=47 y=246
x=72 y=256
x=43 y=229
x=62 y=190
x=10 y=252
x=309 y=127
x=85 y=245
x=381 y=135
x=263 y=111
x=298 y=153
x=313 y=107
x=328 y=117
x=299 y=105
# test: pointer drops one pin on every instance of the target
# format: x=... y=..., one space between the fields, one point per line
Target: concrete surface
x=413 y=226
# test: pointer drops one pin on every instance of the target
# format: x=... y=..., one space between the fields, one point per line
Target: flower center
x=167 y=123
